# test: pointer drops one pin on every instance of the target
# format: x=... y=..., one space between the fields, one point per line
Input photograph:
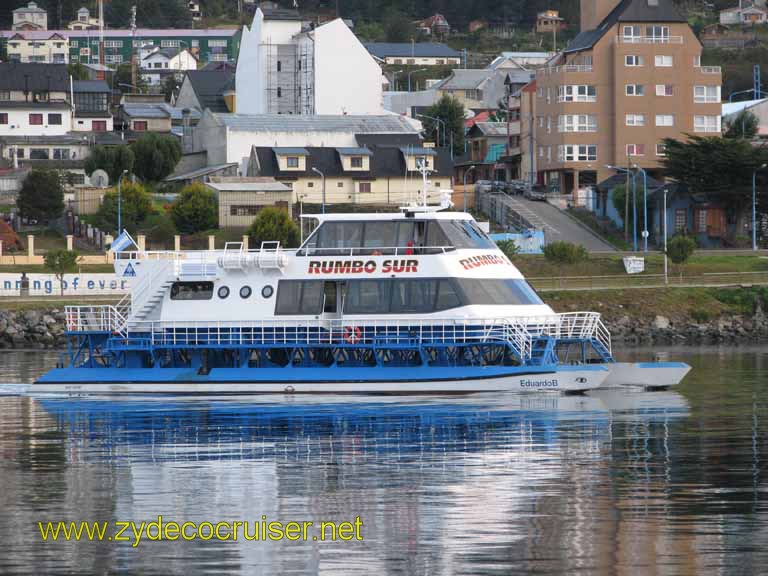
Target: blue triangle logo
x=129 y=271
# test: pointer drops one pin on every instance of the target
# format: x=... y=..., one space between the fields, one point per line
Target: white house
x=38 y=46
x=84 y=21
x=160 y=62
x=30 y=17
x=285 y=68
x=744 y=14
x=230 y=137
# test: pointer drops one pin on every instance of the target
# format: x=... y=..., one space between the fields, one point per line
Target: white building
x=84 y=21
x=30 y=17
x=286 y=68
x=41 y=47
x=160 y=62
x=230 y=137
x=744 y=14
x=521 y=60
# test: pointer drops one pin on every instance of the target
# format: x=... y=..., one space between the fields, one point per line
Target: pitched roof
x=627 y=11
x=495 y=129
x=280 y=14
x=90 y=86
x=390 y=123
x=408 y=50
x=34 y=77
x=209 y=86
x=31 y=7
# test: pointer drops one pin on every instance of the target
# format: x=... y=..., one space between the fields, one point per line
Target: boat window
x=466 y=234
x=499 y=292
x=192 y=291
x=299 y=297
x=245 y=292
x=405 y=234
x=223 y=292
x=267 y=291
x=330 y=298
x=447 y=297
x=340 y=235
x=379 y=235
x=367 y=297
x=413 y=296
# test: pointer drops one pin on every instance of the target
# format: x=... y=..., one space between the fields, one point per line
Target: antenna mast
x=100 y=74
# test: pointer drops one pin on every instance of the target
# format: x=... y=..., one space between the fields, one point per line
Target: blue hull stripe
x=301 y=375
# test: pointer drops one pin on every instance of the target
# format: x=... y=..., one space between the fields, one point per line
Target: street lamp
x=439 y=121
x=394 y=79
x=754 y=205
x=413 y=72
x=466 y=173
x=322 y=174
x=645 y=207
x=732 y=94
x=120 y=202
x=666 y=274
x=633 y=174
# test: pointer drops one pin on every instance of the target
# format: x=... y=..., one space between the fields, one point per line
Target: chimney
x=186 y=133
x=594 y=11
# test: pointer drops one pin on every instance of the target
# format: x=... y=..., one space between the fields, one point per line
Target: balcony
x=650 y=39
x=710 y=69
x=564 y=68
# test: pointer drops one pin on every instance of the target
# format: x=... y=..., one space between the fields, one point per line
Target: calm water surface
x=610 y=483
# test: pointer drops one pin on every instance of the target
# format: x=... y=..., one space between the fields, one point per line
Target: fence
x=650 y=281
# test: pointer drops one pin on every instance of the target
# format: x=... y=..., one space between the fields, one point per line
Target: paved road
x=556 y=224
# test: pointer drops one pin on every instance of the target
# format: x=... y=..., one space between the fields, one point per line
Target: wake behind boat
x=420 y=301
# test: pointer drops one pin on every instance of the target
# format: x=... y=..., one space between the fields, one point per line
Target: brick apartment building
x=631 y=78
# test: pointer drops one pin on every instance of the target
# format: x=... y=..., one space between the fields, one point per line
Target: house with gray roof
x=414 y=53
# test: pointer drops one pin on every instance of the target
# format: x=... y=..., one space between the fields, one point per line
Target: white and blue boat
x=419 y=301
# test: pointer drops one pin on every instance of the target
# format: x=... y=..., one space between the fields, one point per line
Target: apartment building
x=30 y=17
x=631 y=78
x=38 y=46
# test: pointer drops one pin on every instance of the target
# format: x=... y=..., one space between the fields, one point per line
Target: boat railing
x=96 y=319
x=570 y=325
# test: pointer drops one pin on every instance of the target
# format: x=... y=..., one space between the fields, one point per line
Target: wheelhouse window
x=192 y=291
x=299 y=297
x=497 y=292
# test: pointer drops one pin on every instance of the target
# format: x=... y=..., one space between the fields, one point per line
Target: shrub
x=159 y=229
x=565 y=254
x=195 y=209
x=274 y=224
x=136 y=206
x=509 y=247
x=680 y=249
x=156 y=156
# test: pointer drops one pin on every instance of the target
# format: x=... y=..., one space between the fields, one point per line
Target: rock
x=661 y=323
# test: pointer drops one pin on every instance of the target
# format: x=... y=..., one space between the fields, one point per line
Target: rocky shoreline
x=44 y=329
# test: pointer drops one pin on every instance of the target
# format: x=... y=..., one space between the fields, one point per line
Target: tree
x=77 y=71
x=272 y=224
x=61 y=262
x=195 y=209
x=158 y=228
x=124 y=80
x=112 y=159
x=41 y=196
x=621 y=203
x=679 y=249
x=399 y=28
x=170 y=86
x=742 y=125
x=451 y=112
x=565 y=254
x=156 y=156
x=136 y=206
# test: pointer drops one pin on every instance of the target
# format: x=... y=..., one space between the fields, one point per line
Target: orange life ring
x=353 y=334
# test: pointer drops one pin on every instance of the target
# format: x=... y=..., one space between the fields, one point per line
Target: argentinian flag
x=122 y=242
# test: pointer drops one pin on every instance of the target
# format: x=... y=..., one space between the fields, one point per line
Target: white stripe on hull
x=566 y=381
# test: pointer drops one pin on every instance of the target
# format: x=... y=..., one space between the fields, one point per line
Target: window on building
x=661 y=150
x=700 y=220
x=549 y=153
x=20 y=153
x=664 y=61
x=279 y=92
x=244 y=210
x=577 y=93
x=364 y=187
x=113 y=43
x=541 y=151
x=665 y=120
x=3 y=118
x=279 y=66
x=664 y=90
x=681 y=220
x=99 y=125
x=635 y=119
x=292 y=161
x=36 y=119
x=633 y=60
x=697 y=61
x=217 y=43
x=657 y=33
x=549 y=124
x=631 y=33
x=172 y=43
x=635 y=149
x=310 y=184
x=61 y=154
x=634 y=90
x=706 y=94
x=54 y=119
x=39 y=154
x=356 y=161
x=73 y=43
x=577 y=123
x=706 y=124
x=140 y=125
x=574 y=153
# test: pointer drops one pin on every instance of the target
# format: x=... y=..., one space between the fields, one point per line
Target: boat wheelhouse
x=409 y=302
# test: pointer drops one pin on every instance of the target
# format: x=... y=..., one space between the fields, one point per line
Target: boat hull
x=645 y=374
x=78 y=381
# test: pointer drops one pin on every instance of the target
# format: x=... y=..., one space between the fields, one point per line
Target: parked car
x=483 y=186
x=537 y=193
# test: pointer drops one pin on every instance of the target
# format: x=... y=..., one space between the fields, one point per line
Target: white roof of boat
x=354 y=217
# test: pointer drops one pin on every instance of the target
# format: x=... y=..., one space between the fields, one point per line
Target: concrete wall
x=86 y=124
x=18 y=122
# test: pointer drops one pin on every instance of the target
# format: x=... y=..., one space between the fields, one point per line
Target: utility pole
x=134 y=74
x=100 y=74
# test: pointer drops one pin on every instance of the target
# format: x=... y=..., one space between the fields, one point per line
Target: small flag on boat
x=122 y=242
